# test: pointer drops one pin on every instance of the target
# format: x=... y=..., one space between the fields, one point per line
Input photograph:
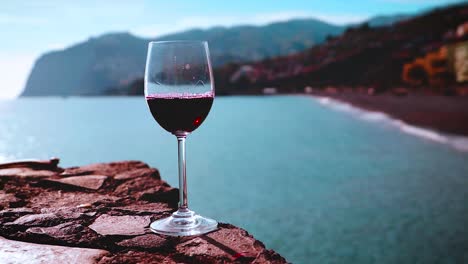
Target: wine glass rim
x=178 y=41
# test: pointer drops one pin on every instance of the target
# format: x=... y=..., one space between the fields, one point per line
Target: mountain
x=381 y=21
x=361 y=56
x=88 y=68
x=101 y=64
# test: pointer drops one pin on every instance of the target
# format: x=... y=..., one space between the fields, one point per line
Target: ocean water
x=315 y=180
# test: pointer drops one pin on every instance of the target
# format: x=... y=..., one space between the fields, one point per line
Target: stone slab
x=36 y=220
x=143 y=172
x=22 y=252
x=26 y=173
x=149 y=241
x=126 y=225
x=110 y=169
x=92 y=182
x=144 y=209
x=70 y=199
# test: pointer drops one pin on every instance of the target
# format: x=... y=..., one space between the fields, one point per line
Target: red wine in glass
x=179 y=90
x=179 y=113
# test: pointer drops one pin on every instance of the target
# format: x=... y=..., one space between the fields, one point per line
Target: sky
x=31 y=28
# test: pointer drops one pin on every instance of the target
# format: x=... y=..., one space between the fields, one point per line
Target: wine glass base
x=184 y=223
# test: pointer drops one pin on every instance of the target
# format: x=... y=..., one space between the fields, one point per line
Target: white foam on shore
x=459 y=143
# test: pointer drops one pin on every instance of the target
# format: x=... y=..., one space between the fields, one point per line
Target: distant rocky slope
x=101 y=64
x=362 y=56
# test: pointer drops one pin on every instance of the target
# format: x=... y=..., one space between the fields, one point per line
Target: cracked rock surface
x=100 y=213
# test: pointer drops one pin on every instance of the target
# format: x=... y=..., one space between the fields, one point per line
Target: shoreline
x=437 y=118
x=445 y=114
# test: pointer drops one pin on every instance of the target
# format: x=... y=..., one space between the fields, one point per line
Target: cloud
x=15 y=69
x=204 y=22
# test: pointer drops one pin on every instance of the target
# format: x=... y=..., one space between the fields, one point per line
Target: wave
x=459 y=143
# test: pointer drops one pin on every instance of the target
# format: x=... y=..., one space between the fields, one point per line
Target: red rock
x=138 y=257
x=71 y=233
x=160 y=193
x=138 y=185
x=26 y=173
x=69 y=199
x=68 y=212
x=149 y=241
x=36 y=220
x=149 y=189
x=7 y=200
x=11 y=214
x=269 y=257
x=51 y=164
x=225 y=244
x=16 y=212
x=143 y=172
x=237 y=239
x=144 y=209
x=118 y=208
x=109 y=169
x=92 y=182
x=22 y=252
x=127 y=225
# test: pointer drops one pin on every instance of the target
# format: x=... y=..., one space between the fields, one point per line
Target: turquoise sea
x=317 y=181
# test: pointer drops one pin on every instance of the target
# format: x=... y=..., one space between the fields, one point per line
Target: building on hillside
x=245 y=72
x=270 y=90
x=439 y=68
x=458 y=60
x=431 y=69
x=462 y=30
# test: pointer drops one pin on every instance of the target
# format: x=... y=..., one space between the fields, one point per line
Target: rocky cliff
x=100 y=213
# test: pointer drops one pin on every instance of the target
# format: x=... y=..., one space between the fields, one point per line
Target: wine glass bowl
x=180 y=115
x=179 y=84
x=179 y=91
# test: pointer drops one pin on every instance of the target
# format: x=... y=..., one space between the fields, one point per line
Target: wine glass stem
x=183 y=205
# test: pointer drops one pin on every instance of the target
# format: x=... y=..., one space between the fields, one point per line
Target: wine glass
x=179 y=90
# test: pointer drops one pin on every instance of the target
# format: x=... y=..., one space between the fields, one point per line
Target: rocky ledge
x=100 y=213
